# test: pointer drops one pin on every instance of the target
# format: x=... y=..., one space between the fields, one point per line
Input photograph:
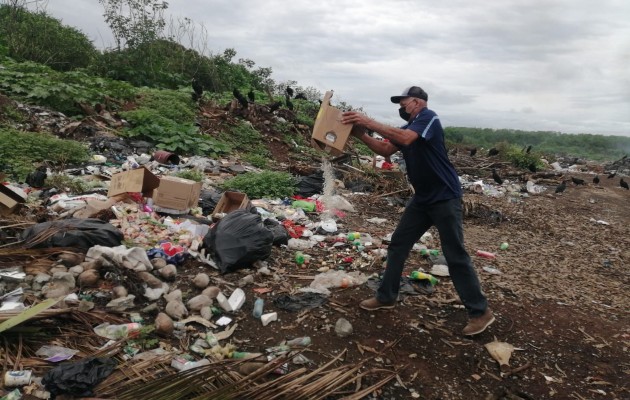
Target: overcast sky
x=521 y=64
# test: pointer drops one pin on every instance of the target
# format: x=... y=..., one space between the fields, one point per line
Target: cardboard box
x=329 y=134
x=139 y=180
x=230 y=201
x=177 y=193
x=11 y=198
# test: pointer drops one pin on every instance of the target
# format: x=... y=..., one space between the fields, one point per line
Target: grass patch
x=269 y=184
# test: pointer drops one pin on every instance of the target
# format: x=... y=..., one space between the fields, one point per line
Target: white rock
x=174 y=295
x=201 y=281
x=151 y=280
x=198 y=302
x=267 y=318
x=169 y=272
x=176 y=309
x=343 y=327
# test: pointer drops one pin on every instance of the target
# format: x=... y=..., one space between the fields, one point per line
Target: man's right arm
x=380 y=147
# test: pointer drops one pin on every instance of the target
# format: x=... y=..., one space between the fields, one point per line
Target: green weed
x=269 y=184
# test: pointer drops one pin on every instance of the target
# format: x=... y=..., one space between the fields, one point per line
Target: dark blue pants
x=415 y=221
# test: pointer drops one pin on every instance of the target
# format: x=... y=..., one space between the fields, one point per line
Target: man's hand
x=356 y=118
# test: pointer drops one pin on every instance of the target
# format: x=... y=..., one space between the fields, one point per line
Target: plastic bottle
x=299 y=258
x=430 y=252
x=504 y=246
x=353 y=235
x=299 y=341
x=419 y=275
x=485 y=254
x=258 y=308
x=115 y=332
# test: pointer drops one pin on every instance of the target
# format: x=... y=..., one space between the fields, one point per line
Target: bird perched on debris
x=529 y=148
x=241 y=99
x=300 y=96
x=493 y=152
x=473 y=151
x=532 y=167
x=560 y=188
x=577 y=181
x=612 y=175
x=623 y=184
x=197 y=89
x=273 y=107
x=596 y=180
x=289 y=91
x=496 y=177
x=251 y=95
x=289 y=103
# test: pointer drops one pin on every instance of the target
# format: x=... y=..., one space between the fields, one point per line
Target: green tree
x=36 y=36
x=134 y=22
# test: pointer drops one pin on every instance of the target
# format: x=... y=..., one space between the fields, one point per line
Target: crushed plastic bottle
x=258 y=308
x=419 y=276
x=430 y=252
x=115 y=332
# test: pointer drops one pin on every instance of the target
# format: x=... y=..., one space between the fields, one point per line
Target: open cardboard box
x=329 y=134
x=139 y=180
x=11 y=198
x=230 y=201
x=177 y=193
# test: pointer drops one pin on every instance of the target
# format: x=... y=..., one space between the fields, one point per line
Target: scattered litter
x=223 y=321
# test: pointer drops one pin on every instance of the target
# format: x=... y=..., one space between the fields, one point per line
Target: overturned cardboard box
x=177 y=193
x=11 y=199
x=139 y=180
x=329 y=134
x=230 y=201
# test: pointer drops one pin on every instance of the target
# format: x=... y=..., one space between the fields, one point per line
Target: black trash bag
x=209 y=200
x=74 y=232
x=299 y=302
x=310 y=185
x=78 y=378
x=358 y=186
x=280 y=234
x=238 y=240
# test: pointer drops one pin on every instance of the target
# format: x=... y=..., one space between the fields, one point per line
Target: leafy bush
x=192 y=174
x=268 y=184
x=166 y=118
x=20 y=150
x=36 y=83
x=38 y=37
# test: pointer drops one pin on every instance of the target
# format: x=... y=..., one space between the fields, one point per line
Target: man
x=437 y=201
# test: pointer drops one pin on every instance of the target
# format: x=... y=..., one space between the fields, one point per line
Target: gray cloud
x=519 y=64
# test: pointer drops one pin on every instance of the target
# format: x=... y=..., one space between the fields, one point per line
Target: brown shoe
x=373 y=304
x=479 y=324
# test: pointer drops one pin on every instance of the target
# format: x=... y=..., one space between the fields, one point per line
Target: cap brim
x=396 y=99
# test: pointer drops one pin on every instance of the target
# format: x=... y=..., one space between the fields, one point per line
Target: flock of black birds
x=244 y=102
x=576 y=181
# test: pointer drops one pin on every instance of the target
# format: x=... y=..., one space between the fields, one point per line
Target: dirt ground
x=562 y=298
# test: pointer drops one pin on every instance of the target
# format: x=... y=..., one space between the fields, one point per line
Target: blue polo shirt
x=430 y=171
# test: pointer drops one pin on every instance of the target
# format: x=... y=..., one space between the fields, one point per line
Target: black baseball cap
x=412 y=91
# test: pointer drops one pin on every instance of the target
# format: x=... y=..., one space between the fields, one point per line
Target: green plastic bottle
x=419 y=275
x=432 y=252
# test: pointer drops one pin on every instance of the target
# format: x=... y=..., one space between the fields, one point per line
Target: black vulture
x=532 y=167
x=560 y=188
x=612 y=175
x=241 y=99
x=251 y=96
x=473 y=151
x=289 y=103
x=596 y=180
x=196 y=86
x=275 y=106
x=496 y=177
x=493 y=152
x=623 y=184
x=529 y=148
x=577 y=181
x=300 y=96
x=289 y=91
